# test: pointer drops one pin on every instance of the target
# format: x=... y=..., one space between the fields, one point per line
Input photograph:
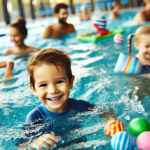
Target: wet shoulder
x=80 y=105
x=35 y=115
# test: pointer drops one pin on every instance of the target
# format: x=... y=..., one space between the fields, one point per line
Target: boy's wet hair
x=20 y=24
x=49 y=56
x=59 y=6
x=144 y=30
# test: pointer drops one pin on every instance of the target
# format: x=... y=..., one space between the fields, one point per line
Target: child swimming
x=100 y=27
x=18 y=33
x=115 y=10
x=9 y=68
x=51 y=80
x=142 y=44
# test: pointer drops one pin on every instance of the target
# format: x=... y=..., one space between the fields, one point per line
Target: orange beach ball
x=113 y=127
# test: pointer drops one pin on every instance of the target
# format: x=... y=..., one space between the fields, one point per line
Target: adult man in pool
x=143 y=15
x=61 y=27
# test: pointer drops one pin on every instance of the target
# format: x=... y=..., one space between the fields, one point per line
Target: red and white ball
x=118 y=38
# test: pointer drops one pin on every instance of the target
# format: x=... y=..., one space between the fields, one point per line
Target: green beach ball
x=138 y=126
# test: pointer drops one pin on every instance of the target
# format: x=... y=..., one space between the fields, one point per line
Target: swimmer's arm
x=8 y=52
x=47 y=32
x=147 y=75
x=35 y=49
x=44 y=141
x=8 y=74
x=139 y=18
x=3 y=64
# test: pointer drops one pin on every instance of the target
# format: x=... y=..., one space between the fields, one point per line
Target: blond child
x=142 y=44
x=18 y=33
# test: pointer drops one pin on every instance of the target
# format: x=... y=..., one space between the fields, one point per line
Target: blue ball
x=122 y=141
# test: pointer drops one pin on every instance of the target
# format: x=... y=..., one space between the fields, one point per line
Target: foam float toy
x=122 y=141
x=118 y=38
x=127 y=64
x=113 y=127
x=138 y=125
x=93 y=38
x=143 y=141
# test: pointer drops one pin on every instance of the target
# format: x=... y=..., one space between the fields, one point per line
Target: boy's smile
x=52 y=86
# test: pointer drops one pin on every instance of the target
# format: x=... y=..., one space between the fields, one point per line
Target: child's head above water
x=51 y=78
x=116 y=6
x=142 y=42
x=100 y=23
x=18 y=31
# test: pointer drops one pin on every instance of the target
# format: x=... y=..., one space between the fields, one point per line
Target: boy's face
x=52 y=86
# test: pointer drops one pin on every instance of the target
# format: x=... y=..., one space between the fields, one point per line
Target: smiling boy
x=51 y=80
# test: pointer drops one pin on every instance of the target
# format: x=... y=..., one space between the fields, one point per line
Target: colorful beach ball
x=118 y=38
x=122 y=141
x=143 y=141
x=113 y=127
x=138 y=125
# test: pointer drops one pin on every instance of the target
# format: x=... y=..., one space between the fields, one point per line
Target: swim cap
x=101 y=22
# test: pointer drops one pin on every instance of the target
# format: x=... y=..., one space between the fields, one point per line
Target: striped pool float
x=128 y=65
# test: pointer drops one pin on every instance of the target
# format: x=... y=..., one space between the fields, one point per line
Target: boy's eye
x=59 y=82
x=43 y=85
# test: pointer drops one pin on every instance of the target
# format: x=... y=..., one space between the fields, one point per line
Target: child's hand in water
x=45 y=141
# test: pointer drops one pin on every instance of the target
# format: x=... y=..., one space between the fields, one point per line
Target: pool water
x=95 y=82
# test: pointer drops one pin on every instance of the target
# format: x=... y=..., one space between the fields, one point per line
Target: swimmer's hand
x=144 y=75
x=84 y=34
x=45 y=141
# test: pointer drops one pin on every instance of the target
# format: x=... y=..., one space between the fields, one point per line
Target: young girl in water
x=18 y=33
x=142 y=44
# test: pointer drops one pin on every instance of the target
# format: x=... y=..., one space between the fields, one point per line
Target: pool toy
x=143 y=141
x=122 y=141
x=118 y=38
x=93 y=38
x=113 y=127
x=128 y=65
x=138 y=125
